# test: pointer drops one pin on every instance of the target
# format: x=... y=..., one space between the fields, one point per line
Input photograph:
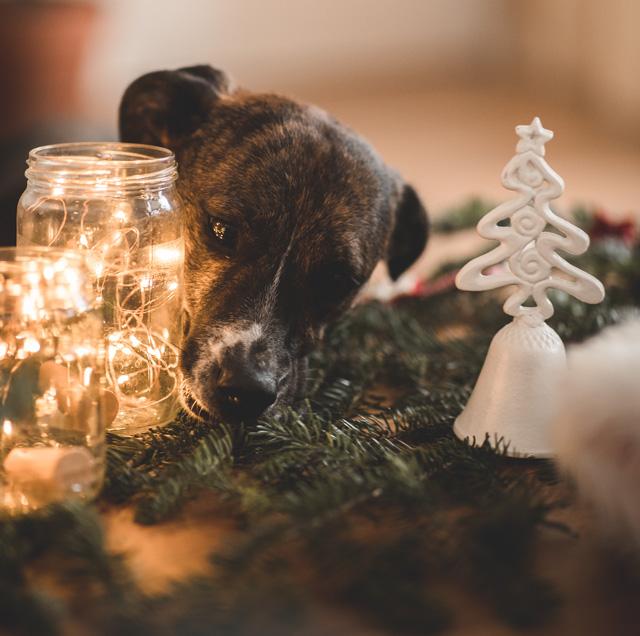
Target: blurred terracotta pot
x=42 y=46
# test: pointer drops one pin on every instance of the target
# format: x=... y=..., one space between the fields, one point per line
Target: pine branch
x=207 y=465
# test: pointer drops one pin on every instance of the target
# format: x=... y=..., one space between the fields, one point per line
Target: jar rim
x=139 y=153
x=39 y=284
x=106 y=165
x=18 y=259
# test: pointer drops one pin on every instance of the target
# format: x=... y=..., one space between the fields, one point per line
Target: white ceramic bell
x=515 y=397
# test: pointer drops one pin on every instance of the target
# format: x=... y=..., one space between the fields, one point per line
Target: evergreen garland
x=359 y=498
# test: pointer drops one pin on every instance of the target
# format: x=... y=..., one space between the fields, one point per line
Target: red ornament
x=425 y=288
x=603 y=227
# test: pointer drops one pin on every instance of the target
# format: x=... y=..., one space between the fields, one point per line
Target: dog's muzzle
x=243 y=391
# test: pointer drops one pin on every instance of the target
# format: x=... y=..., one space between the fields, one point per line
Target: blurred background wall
x=424 y=79
x=301 y=46
x=586 y=51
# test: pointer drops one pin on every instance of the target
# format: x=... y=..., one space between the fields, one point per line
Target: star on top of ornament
x=533 y=137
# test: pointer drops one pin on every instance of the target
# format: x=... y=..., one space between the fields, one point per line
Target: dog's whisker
x=191 y=404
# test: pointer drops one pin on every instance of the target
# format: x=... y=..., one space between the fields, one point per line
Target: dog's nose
x=244 y=394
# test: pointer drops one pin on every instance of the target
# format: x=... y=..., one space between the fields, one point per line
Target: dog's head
x=286 y=215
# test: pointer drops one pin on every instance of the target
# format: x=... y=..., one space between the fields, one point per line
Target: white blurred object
x=381 y=287
x=514 y=399
x=596 y=435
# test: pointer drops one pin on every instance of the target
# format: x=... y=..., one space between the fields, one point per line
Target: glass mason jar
x=54 y=400
x=119 y=202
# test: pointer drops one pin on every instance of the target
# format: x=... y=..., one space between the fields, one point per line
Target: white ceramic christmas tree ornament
x=514 y=399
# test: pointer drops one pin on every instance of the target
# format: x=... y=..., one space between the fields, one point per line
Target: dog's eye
x=224 y=233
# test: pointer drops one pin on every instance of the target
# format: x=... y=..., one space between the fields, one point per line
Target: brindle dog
x=287 y=212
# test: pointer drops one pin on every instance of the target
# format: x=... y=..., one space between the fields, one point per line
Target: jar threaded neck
x=109 y=167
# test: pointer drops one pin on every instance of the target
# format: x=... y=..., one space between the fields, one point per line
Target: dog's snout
x=243 y=392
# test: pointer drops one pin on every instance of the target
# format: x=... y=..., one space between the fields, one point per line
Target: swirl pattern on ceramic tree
x=527 y=254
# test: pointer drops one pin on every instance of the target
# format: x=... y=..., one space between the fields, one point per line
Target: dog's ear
x=162 y=108
x=409 y=234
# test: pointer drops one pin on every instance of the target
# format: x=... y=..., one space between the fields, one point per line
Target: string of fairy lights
x=138 y=284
